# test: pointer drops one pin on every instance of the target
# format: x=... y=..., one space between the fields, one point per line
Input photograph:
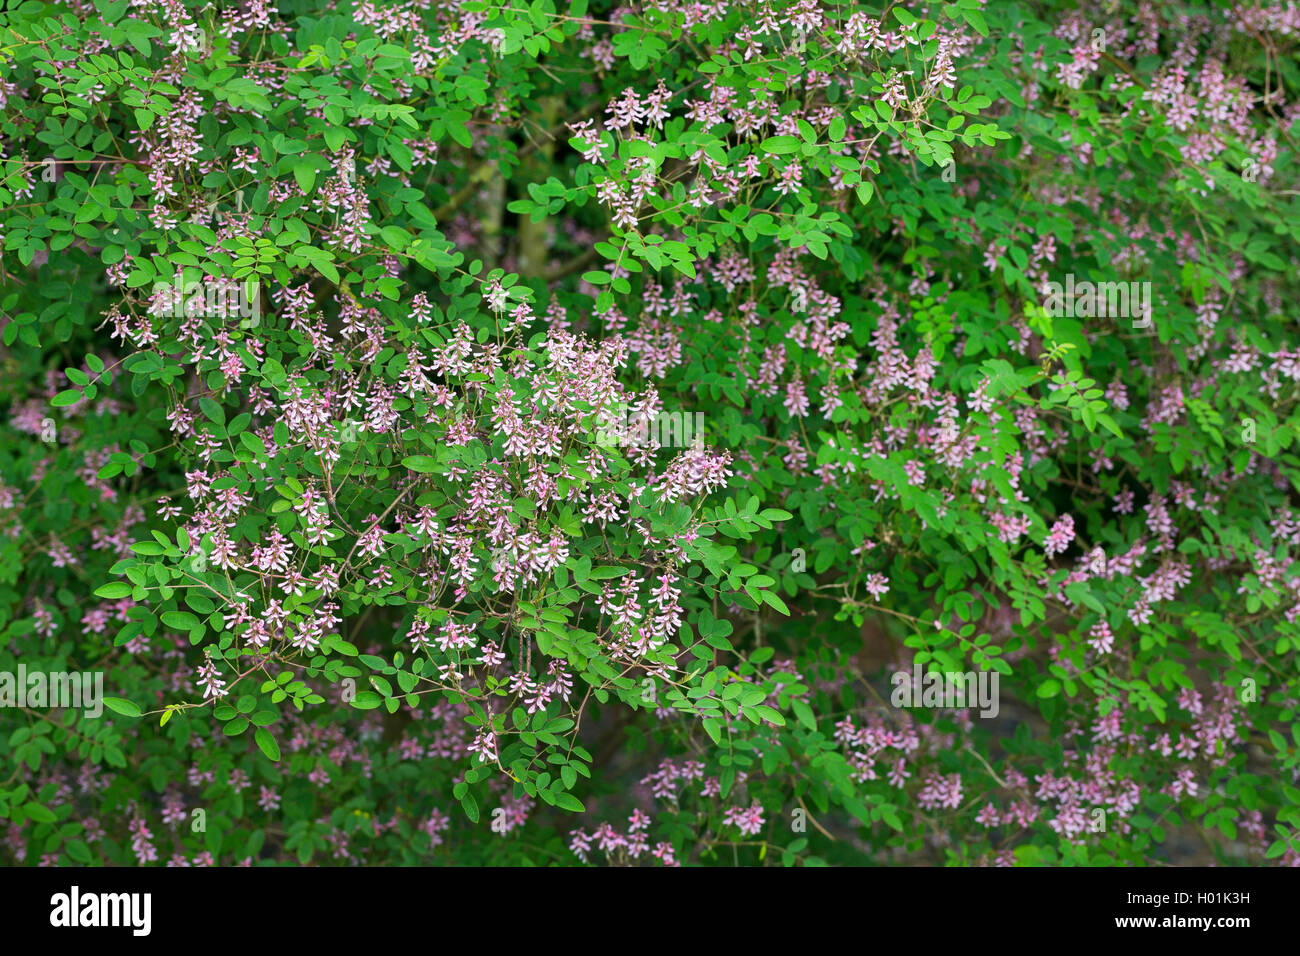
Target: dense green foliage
x=483 y=434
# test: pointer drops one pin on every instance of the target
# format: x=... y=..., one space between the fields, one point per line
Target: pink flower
x=1061 y=535
x=1100 y=638
x=749 y=820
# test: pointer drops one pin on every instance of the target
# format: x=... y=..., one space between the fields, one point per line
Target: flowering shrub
x=579 y=433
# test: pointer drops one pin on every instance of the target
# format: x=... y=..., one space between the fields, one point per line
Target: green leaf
x=120 y=705
x=470 y=806
x=421 y=463
x=767 y=713
x=39 y=813
x=770 y=598
x=713 y=727
x=567 y=801
x=305 y=174
x=804 y=714
x=781 y=144
x=975 y=19
x=180 y=620
x=266 y=743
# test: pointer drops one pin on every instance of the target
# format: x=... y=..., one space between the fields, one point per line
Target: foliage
x=355 y=356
